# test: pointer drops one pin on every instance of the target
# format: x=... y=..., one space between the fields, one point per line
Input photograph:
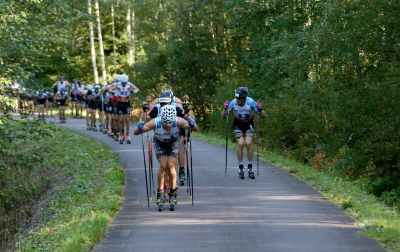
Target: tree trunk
x=133 y=36
x=102 y=61
x=93 y=51
x=113 y=29
x=129 y=35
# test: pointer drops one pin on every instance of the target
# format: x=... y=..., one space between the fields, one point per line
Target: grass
x=378 y=221
x=77 y=215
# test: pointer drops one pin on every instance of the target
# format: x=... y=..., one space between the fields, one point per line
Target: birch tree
x=93 y=51
x=129 y=35
x=101 y=49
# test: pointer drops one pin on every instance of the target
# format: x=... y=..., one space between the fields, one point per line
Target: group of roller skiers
x=169 y=120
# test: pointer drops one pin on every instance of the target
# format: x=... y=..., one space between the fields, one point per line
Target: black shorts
x=243 y=129
x=41 y=101
x=61 y=102
x=50 y=99
x=73 y=98
x=182 y=132
x=124 y=108
x=101 y=106
x=165 y=149
x=79 y=99
x=93 y=105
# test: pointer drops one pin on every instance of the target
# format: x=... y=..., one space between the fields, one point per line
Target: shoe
x=182 y=177
x=88 y=127
x=251 y=174
x=121 y=139
x=94 y=128
x=172 y=199
x=241 y=174
x=115 y=136
x=160 y=200
x=128 y=139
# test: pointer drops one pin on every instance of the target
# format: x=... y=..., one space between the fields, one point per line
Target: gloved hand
x=259 y=106
x=226 y=104
x=140 y=126
x=185 y=106
x=191 y=122
x=145 y=107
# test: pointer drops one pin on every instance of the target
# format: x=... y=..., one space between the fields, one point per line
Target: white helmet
x=89 y=87
x=123 y=78
x=168 y=114
x=97 y=86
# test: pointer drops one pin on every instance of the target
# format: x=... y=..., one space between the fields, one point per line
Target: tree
x=101 y=49
x=92 y=46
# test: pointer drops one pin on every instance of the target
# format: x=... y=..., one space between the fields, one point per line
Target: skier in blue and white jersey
x=243 y=108
x=166 y=143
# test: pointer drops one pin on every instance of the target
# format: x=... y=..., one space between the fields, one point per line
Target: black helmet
x=167 y=93
x=165 y=97
x=241 y=92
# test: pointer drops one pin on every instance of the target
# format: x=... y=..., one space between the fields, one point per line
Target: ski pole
x=188 y=185
x=257 y=141
x=145 y=172
x=226 y=145
x=191 y=163
x=150 y=154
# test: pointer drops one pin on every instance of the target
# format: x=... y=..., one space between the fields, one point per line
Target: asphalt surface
x=274 y=212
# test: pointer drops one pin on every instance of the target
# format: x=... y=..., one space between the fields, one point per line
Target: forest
x=326 y=71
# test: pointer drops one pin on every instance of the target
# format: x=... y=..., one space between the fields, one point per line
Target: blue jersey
x=166 y=136
x=243 y=113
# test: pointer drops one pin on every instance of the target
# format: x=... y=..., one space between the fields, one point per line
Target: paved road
x=275 y=212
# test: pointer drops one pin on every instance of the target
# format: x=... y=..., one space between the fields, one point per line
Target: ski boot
x=94 y=128
x=116 y=136
x=121 y=138
x=172 y=199
x=160 y=200
x=241 y=172
x=251 y=174
x=182 y=176
x=128 y=139
x=88 y=127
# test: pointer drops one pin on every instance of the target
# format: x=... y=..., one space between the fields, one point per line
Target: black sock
x=250 y=167
x=241 y=167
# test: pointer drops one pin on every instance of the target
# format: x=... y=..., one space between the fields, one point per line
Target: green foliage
x=326 y=71
x=85 y=191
